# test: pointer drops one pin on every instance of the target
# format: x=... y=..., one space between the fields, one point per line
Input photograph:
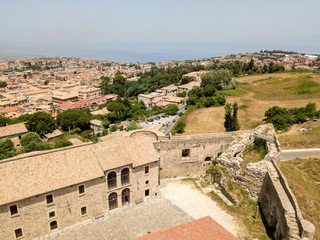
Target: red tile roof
x=205 y=229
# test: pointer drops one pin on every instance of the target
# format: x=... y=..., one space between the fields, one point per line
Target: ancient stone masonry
x=265 y=183
x=183 y=155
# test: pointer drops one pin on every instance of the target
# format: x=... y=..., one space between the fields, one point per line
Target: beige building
x=187 y=87
x=46 y=191
x=170 y=90
x=89 y=93
x=13 y=132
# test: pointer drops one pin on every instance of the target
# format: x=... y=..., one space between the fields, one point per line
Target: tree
x=172 y=109
x=231 y=120
x=74 y=118
x=3 y=84
x=4 y=121
x=209 y=90
x=46 y=82
x=119 y=109
x=6 y=145
x=29 y=137
x=41 y=123
x=279 y=117
x=119 y=79
x=228 y=117
x=235 y=122
x=221 y=79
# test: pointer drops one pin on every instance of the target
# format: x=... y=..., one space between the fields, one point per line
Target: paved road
x=299 y=153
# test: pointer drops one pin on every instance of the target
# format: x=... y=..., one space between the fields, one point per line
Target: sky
x=150 y=30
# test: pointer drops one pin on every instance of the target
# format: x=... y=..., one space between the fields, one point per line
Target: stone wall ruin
x=263 y=180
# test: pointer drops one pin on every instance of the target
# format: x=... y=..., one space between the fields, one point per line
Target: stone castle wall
x=263 y=180
x=183 y=155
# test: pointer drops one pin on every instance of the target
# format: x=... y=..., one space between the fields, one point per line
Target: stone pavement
x=154 y=214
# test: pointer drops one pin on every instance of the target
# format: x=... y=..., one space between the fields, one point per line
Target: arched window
x=113 y=201
x=125 y=195
x=112 y=180
x=125 y=178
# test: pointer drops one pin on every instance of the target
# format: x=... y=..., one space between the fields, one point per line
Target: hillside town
x=54 y=84
x=63 y=122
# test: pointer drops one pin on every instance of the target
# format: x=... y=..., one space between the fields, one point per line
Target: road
x=299 y=153
x=168 y=120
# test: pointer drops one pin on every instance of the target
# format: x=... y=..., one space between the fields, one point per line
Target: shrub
x=62 y=143
x=114 y=128
x=179 y=126
x=172 y=109
x=36 y=146
x=6 y=145
x=182 y=94
x=30 y=137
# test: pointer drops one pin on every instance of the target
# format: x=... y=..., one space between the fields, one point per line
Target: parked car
x=150 y=120
x=174 y=120
x=156 y=118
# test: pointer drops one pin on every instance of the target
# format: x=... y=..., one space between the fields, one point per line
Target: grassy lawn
x=294 y=138
x=303 y=176
x=255 y=95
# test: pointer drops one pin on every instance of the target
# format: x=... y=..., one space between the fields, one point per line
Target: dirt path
x=197 y=204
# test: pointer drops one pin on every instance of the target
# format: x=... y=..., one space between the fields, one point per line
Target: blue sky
x=157 y=30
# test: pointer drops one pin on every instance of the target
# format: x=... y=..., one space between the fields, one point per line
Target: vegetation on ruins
x=254 y=153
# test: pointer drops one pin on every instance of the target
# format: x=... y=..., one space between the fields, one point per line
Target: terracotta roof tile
x=12 y=130
x=205 y=229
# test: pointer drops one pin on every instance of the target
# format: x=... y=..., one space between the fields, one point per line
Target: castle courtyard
x=178 y=203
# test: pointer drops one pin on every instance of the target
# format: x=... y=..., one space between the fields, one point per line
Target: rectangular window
x=146 y=193
x=52 y=214
x=53 y=225
x=81 y=189
x=13 y=210
x=146 y=170
x=49 y=199
x=83 y=211
x=147 y=182
x=185 y=152
x=18 y=233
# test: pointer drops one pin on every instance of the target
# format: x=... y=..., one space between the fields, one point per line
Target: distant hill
x=11 y=55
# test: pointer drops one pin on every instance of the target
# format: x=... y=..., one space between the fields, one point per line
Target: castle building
x=45 y=191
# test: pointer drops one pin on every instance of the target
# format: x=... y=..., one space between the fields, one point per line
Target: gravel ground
x=196 y=204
